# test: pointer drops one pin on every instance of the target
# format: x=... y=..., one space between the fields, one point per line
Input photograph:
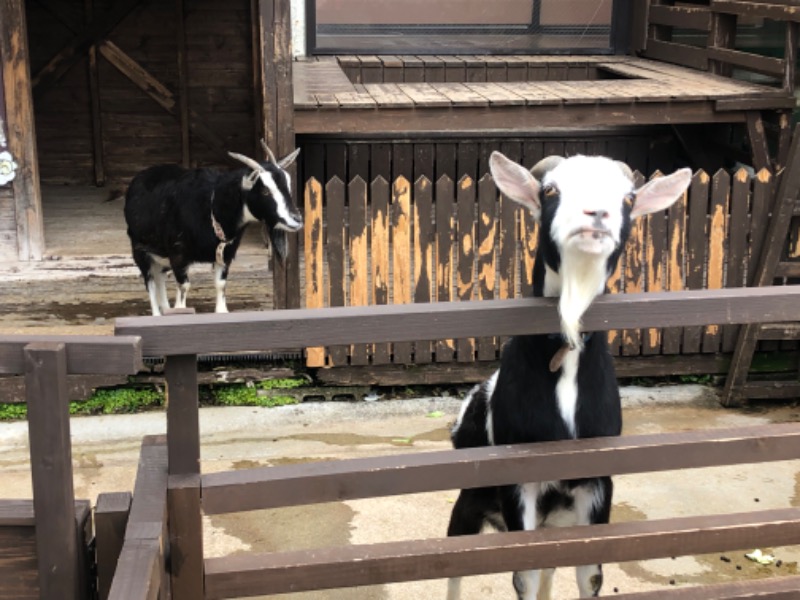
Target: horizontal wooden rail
x=751 y=62
x=86 y=355
x=309 y=483
x=256 y=574
x=140 y=573
x=777 y=588
x=681 y=16
x=209 y=333
x=778 y=11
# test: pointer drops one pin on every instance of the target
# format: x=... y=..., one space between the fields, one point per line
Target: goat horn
x=270 y=155
x=626 y=170
x=548 y=163
x=248 y=161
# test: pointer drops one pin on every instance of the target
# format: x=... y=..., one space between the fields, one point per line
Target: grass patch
x=253 y=394
x=128 y=400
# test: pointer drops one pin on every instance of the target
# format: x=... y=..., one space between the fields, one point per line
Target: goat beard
x=583 y=278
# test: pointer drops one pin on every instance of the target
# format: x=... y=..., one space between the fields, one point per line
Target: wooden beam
x=51 y=471
x=302 y=328
x=256 y=574
x=94 y=355
x=316 y=482
x=183 y=84
x=97 y=30
x=780 y=10
x=277 y=100
x=141 y=569
x=94 y=103
x=21 y=130
x=110 y=521
x=159 y=92
x=758 y=141
x=774 y=67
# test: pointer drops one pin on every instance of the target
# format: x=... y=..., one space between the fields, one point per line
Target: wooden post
x=94 y=93
x=183 y=84
x=21 y=131
x=110 y=521
x=57 y=545
x=183 y=493
x=722 y=35
x=277 y=101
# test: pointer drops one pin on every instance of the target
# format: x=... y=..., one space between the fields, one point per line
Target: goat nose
x=597 y=214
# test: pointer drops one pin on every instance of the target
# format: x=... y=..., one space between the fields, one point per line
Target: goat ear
x=516 y=182
x=286 y=161
x=660 y=193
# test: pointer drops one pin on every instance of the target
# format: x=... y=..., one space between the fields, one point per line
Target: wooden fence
x=46 y=543
x=380 y=243
x=180 y=338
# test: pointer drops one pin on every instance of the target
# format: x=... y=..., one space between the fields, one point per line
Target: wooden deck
x=366 y=95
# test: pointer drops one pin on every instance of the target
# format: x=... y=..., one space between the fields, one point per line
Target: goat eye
x=549 y=191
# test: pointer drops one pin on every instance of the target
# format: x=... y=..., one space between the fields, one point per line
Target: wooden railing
x=718 y=19
x=181 y=338
x=57 y=565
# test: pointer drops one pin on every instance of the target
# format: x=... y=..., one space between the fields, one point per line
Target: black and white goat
x=557 y=387
x=177 y=217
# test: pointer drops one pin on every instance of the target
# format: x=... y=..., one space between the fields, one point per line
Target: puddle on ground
x=354 y=439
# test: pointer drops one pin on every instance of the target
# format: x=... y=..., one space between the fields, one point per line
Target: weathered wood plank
x=486 y=247
x=315 y=263
x=424 y=278
x=435 y=558
x=738 y=227
x=634 y=282
x=358 y=257
x=465 y=256
x=335 y=251
x=717 y=234
x=380 y=258
x=696 y=244
x=401 y=256
x=445 y=237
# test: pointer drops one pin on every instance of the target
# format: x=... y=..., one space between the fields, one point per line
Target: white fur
x=567 y=390
x=219 y=284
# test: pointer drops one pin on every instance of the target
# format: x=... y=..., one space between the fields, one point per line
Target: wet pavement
x=106 y=448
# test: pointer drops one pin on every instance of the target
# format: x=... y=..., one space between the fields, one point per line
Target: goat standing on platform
x=561 y=386
x=177 y=217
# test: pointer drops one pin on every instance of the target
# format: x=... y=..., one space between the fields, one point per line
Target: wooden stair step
x=780 y=331
x=771 y=390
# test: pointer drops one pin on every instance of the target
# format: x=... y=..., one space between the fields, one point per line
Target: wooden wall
x=141 y=118
x=645 y=149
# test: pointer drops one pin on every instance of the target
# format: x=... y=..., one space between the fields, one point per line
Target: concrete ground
x=106 y=447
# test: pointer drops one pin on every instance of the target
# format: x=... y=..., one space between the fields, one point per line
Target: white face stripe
x=280 y=202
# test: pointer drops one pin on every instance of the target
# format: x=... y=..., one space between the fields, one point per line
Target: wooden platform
x=366 y=95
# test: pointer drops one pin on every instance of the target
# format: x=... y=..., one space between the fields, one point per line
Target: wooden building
x=95 y=90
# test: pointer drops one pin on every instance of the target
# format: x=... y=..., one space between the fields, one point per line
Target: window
x=461 y=26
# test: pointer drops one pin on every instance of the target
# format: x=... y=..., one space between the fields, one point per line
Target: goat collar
x=561 y=353
x=220 y=233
